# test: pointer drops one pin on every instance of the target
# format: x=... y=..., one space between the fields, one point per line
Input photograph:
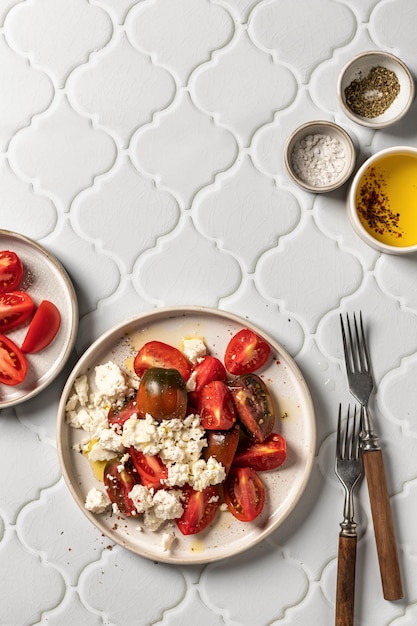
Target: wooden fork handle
x=345 y=586
x=383 y=525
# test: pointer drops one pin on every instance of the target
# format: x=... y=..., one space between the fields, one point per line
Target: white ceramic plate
x=44 y=278
x=226 y=536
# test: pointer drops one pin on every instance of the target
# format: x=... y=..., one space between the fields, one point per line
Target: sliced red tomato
x=159 y=354
x=162 y=394
x=254 y=405
x=119 y=484
x=222 y=445
x=150 y=468
x=13 y=364
x=11 y=270
x=215 y=406
x=244 y=493
x=43 y=328
x=199 y=509
x=205 y=371
x=261 y=456
x=208 y=369
x=119 y=414
x=15 y=308
x=246 y=352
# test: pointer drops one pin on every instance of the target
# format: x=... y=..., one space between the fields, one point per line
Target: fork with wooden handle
x=361 y=383
x=348 y=468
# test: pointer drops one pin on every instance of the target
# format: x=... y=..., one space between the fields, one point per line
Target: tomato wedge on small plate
x=224 y=535
x=13 y=364
x=15 y=308
x=11 y=270
x=43 y=278
x=43 y=328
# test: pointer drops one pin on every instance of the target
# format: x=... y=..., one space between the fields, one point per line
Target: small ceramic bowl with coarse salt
x=319 y=156
x=375 y=89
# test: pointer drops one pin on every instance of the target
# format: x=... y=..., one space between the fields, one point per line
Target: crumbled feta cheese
x=110 y=440
x=199 y=474
x=97 y=453
x=97 y=501
x=157 y=507
x=142 y=434
x=191 y=383
x=167 y=504
x=167 y=540
x=92 y=420
x=142 y=498
x=175 y=440
x=207 y=473
x=194 y=349
x=178 y=443
x=110 y=382
x=81 y=389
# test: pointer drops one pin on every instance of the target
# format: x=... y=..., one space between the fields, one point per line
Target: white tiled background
x=141 y=143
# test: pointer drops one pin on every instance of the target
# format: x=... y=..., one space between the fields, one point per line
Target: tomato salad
x=17 y=309
x=228 y=401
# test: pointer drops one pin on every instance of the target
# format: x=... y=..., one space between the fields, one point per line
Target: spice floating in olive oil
x=371 y=95
x=386 y=200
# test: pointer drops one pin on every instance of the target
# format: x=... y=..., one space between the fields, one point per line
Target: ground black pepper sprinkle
x=374 y=206
x=373 y=94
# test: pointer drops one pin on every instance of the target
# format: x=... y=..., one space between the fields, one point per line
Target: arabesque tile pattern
x=141 y=142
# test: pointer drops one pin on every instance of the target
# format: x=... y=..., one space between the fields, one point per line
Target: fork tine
x=355 y=437
x=347 y=442
x=362 y=344
x=338 y=437
x=345 y=345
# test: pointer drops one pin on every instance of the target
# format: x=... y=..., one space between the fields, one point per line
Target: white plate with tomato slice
x=294 y=420
x=38 y=318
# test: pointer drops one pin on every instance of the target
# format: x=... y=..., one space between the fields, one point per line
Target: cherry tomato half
x=215 y=406
x=15 y=308
x=199 y=509
x=222 y=445
x=13 y=364
x=159 y=354
x=43 y=328
x=162 y=394
x=246 y=352
x=254 y=405
x=208 y=369
x=261 y=456
x=11 y=270
x=118 y=415
x=205 y=371
x=119 y=485
x=150 y=468
x=244 y=493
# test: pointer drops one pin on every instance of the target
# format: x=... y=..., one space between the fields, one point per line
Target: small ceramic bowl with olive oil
x=382 y=201
x=375 y=89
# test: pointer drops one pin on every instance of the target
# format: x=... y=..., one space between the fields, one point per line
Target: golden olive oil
x=386 y=200
x=96 y=466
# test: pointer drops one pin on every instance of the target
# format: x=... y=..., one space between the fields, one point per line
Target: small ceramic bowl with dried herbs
x=319 y=156
x=382 y=201
x=375 y=89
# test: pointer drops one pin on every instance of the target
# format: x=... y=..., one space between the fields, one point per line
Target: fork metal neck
x=369 y=440
x=348 y=528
